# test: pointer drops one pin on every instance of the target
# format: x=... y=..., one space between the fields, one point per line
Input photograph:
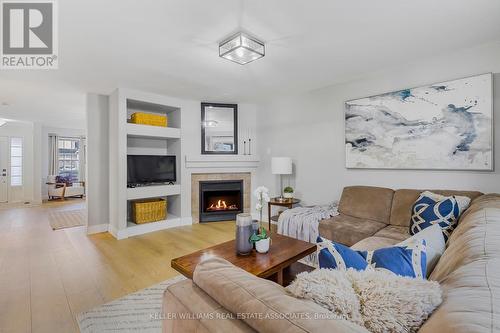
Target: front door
x=4 y=166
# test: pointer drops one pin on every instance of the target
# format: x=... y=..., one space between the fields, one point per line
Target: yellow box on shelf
x=151 y=210
x=143 y=118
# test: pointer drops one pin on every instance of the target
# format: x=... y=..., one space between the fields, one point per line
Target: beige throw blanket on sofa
x=302 y=222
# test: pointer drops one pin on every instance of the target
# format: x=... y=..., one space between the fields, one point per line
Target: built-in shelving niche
x=171 y=220
x=127 y=138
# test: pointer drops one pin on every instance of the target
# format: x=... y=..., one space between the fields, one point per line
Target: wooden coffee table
x=279 y=264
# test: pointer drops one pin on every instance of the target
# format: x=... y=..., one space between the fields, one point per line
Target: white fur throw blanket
x=376 y=299
x=302 y=222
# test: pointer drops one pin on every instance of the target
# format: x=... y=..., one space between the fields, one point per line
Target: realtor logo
x=29 y=34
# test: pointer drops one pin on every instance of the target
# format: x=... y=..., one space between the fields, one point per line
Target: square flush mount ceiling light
x=241 y=48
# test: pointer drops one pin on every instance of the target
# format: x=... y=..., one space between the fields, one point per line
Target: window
x=16 y=161
x=69 y=158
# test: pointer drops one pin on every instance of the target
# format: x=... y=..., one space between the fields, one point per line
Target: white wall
x=24 y=130
x=44 y=142
x=310 y=128
x=97 y=163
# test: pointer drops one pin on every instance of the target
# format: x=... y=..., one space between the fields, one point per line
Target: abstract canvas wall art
x=446 y=125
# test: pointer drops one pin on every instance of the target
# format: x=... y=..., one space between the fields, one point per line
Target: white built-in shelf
x=136 y=139
x=153 y=191
x=147 y=131
x=133 y=229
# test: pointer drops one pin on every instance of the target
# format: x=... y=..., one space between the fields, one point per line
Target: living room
x=234 y=148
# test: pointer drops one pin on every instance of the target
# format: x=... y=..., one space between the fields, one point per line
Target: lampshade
x=281 y=165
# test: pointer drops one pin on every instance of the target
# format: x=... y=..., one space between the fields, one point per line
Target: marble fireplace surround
x=195 y=189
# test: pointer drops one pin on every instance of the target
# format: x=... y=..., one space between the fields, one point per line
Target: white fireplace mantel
x=222 y=161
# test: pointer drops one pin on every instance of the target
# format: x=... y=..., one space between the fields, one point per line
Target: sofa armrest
x=270 y=307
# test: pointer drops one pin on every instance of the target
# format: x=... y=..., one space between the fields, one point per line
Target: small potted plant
x=261 y=240
x=288 y=192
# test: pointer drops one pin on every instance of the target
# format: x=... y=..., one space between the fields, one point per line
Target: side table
x=288 y=203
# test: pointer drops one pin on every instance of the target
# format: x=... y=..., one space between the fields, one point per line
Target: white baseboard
x=113 y=231
x=186 y=221
x=95 y=229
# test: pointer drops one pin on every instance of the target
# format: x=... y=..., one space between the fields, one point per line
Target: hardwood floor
x=47 y=277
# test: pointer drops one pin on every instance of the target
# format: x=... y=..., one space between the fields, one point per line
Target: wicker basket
x=145 y=211
x=149 y=119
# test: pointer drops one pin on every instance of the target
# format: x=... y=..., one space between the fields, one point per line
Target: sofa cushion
x=405 y=198
x=348 y=230
x=200 y=312
x=270 y=307
x=367 y=202
x=394 y=232
x=373 y=243
x=469 y=272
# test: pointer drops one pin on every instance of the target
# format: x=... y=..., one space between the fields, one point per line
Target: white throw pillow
x=435 y=244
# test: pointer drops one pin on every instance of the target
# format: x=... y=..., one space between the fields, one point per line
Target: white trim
x=222 y=161
x=152 y=191
x=113 y=231
x=95 y=229
x=141 y=229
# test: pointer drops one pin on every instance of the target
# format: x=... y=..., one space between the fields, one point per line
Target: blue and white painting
x=440 y=126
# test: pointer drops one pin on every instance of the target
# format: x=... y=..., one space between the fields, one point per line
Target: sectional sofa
x=468 y=271
x=374 y=217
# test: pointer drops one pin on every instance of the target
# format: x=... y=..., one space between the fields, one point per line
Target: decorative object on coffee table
x=261 y=241
x=279 y=264
x=244 y=230
x=288 y=192
x=288 y=203
x=262 y=195
x=281 y=166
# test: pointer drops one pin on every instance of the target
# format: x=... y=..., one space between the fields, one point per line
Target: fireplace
x=220 y=200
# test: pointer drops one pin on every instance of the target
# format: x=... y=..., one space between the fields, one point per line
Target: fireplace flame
x=221 y=205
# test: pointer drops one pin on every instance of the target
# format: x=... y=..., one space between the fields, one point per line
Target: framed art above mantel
x=447 y=125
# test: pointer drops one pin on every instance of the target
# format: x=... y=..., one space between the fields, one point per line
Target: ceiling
x=170 y=47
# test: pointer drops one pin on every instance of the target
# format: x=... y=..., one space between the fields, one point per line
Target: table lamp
x=281 y=166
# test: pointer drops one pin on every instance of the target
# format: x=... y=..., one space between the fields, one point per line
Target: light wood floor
x=47 y=277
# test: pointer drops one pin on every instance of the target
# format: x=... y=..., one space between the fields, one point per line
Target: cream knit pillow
x=379 y=300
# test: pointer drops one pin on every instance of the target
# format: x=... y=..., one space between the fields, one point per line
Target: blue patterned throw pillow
x=407 y=260
x=430 y=209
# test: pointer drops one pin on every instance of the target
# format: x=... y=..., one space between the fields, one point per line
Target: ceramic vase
x=262 y=246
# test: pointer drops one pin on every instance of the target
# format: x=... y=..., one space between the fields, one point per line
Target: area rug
x=136 y=312
x=61 y=219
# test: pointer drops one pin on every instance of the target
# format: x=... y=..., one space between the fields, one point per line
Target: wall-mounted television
x=147 y=169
